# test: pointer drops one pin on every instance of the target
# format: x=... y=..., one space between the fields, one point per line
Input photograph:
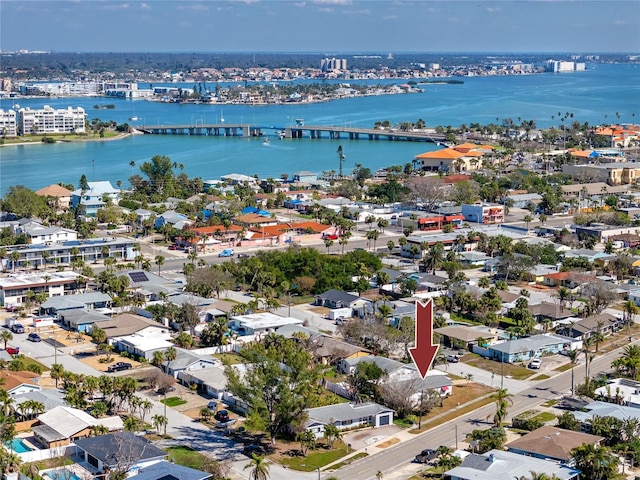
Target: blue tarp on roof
x=594 y=154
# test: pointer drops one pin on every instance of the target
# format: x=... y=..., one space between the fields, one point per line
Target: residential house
x=213 y=236
x=187 y=361
x=584 y=328
x=81 y=320
x=501 y=465
x=120 y=450
x=144 y=343
x=571 y=280
x=80 y=301
x=546 y=312
x=464 y=337
x=621 y=391
x=126 y=324
x=461 y=158
x=336 y=299
x=473 y=259
x=305 y=177
x=260 y=323
x=19 y=383
x=40 y=235
x=165 y=470
x=524 y=349
x=94 y=197
x=348 y=415
x=59 y=197
x=149 y=286
x=329 y=350
x=604 y=409
x=173 y=218
x=62 y=425
x=552 y=443
x=254 y=220
x=522 y=200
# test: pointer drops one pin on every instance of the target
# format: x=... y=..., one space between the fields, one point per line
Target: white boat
x=133 y=119
x=265 y=141
x=221 y=116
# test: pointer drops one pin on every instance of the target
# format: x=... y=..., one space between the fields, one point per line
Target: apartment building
x=8 y=123
x=483 y=213
x=51 y=120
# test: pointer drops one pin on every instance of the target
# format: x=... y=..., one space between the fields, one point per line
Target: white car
x=535 y=363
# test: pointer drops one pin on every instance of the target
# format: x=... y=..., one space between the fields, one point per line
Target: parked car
x=17 y=328
x=13 y=350
x=163 y=390
x=34 y=337
x=426 y=456
x=222 y=416
x=243 y=255
x=452 y=358
x=226 y=424
x=173 y=247
x=12 y=308
x=118 y=366
x=227 y=252
x=212 y=405
x=535 y=363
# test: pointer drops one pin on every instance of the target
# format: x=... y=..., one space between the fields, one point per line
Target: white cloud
x=300 y=4
x=326 y=10
x=364 y=11
x=196 y=7
x=333 y=2
x=390 y=17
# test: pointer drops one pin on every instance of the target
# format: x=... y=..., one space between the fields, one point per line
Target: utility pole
x=421 y=403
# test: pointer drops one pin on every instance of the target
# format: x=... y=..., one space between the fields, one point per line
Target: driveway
x=369 y=436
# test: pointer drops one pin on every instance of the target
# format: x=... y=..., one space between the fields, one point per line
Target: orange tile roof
x=581 y=153
x=445 y=153
x=54 y=191
x=15 y=379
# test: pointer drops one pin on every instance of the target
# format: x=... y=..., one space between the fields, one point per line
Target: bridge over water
x=297 y=132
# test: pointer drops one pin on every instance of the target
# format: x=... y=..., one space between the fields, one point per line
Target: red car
x=173 y=247
x=13 y=350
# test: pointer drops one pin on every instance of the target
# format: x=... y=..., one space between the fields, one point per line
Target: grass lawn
x=403 y=422
x=232 y=358
x=357 y=456
x=513 y=371
x=542 y=376
x=26 y=361
x=187 y=457
x=563 y=368
x=545 y=417
x=173 y=401
x=550 y=403
x=315 y=458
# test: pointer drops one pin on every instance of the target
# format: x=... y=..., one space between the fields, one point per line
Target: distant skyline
x=322 y=26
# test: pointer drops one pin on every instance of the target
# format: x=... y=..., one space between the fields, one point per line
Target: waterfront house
x=94 y=197
x=59 y=197
x=347 y=416
x=501 y=465
x=62 y=425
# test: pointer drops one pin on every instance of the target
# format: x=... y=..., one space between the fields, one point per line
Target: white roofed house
x=260 y=323
x=348 y=415
x=63 y=425
x=14 y=288
x=187 y=361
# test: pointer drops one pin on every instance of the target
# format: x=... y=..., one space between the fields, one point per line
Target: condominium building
x=327 y=64
x=51 y=120
x=8 y=123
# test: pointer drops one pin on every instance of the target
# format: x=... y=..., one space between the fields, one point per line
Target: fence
x=337 y=389
x=46 y=454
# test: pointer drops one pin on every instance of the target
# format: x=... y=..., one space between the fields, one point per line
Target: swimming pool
x=61 y=474
x=18 y=446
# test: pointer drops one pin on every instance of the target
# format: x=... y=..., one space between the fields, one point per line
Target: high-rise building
x=328 y=64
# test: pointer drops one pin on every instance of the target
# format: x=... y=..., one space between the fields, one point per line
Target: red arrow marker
x=425 y=351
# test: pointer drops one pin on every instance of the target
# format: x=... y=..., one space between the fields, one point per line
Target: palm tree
x=159 y=261
x=573 y=358
x=331 y=434
x=57 y=372
x=6 y=336
x=434 y=257
x=503 y=399
x=14 y=257
x=158 y=421
x=170 y=354
x=259 y=468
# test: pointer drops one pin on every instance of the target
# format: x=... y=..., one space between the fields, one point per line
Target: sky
x=321 y=26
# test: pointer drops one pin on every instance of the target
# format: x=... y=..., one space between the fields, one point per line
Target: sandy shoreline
x=73 y=140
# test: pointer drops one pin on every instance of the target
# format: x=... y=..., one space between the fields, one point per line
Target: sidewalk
x=401 y=436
